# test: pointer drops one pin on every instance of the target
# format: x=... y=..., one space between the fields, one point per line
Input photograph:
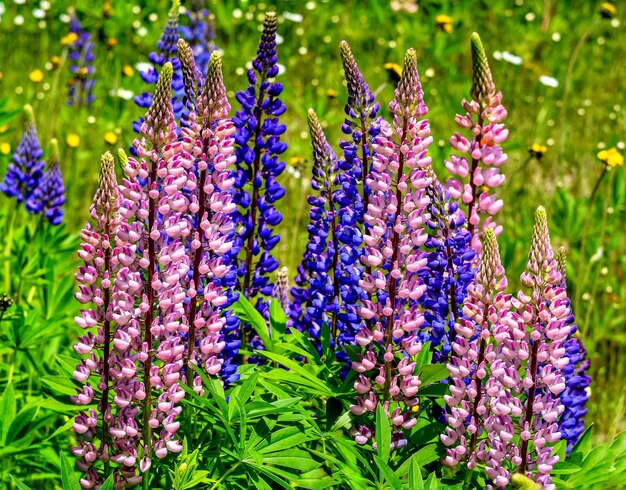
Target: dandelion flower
x=612 y=158
x=36 y=76
x=394 y=70
x=56 y=62
x=537 y=151
x=110 y=137
x=69 y=39
x=128 y=71
x=5 y=148
x=332 y=93
x=72 y=140
x=112 y=42
x=444 y=22
x=608 y=10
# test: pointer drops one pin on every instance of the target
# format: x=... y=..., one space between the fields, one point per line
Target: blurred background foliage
x=559 y=64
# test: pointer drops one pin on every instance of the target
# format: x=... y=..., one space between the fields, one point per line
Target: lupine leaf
x=68 y=477
x=383 y=434
x=7 y=411
x=387 y=473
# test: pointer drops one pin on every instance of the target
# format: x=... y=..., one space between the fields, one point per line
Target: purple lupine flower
x=200 y=33
x=95 y=278
x=258 y=166
x=482 y=400
x=395 y=219
x=82 y=57
x=318 y=282
x=545 y=312
x=209 y=139
x=166 y=53
x=449 y=273
x=479 y=171
x=575 y=396
x=25 y=172
x=49 y=196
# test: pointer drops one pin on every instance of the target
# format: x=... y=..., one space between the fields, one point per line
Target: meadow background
x=573 y=114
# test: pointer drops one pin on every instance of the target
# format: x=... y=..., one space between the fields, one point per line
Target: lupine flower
x=395 y=219
x=95 y=278
x=258 y=166
x=481 y=401
x=25 y=172
x=317 y=284
x=200 y=33
x=575 y=395
x=82 y=59
x=479 y=171
x=165 y=53
x=49 y=196
x=449 y=273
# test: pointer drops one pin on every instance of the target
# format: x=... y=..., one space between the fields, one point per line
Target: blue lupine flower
x=49 y=196
x=166 y=52
x=575 y=396
x=82 y=67
x=25 y=172
x=449 y=272
x=258 y=166
x=200 y=33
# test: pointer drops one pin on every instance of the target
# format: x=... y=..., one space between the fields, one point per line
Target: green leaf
x=7 y=411
x=431 y=482
x=68 y=477
x=433 y=372
x=108 y=483
x=583 y=446
x=387 y=473
x=19 y=484
x=24 y=418
x=415 y=476
x=278 y=320
x=59 y=385
x=423 y=357
x=248 y=314
x=292 y=458
x=383 y=434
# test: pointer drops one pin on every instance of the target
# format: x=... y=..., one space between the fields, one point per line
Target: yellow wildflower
x=394 y=71
x=112 y=42
x=128 y=71
x=82 y=72
x=537 y=151
x=5 y=148
x=296 y=161
x=56 y=61
x=110 y=137
x=36 y=76
x=69 y=39
x=608 y=10
x=444 y=22
x=72 y=140
x=415 y=408
x=332 y=93
x=612 y=158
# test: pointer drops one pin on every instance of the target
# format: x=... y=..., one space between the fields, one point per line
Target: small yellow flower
x=69 y=39
x=394 y=71
x=296 y=161
x=5 y=148
x=128 y=71
x=110 y=137
x=444 y=22
x=56 y=61
x=72 y=140
x=36 y=76
x=112 y=42
x=608 y=10
x=537 y=151
x=612 y=158
x=415 y=408
x=332 y=93
x=82 y=72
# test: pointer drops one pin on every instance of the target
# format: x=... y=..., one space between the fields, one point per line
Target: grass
x=566 y=40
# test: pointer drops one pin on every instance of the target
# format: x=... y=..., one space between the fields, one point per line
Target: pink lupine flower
x=477 y=167
x=395 y=220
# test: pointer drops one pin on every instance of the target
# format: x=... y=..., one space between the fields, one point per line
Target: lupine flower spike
x=482 y=401
x=258 y=166
x=575 y=396
x=395 y=220
x=477 y=167
x=97 y=371
x=25 y=172
x=82 y=56
x=49 y=196
x=200 y=33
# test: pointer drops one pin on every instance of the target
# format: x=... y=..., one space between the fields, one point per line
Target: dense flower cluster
x=82 y=57
x=481 y=167
x=199 y=32
x=395 y=218
x=259 y=147
x=49 y=196
x=161 y=313
x=509 y=367
x=25 y=171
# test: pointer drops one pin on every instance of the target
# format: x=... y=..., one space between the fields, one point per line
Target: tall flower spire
x=25 y=172
x=82 y=56
x=258 y=166
x=477 y=168
x=49 y=196
x=395 y=220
